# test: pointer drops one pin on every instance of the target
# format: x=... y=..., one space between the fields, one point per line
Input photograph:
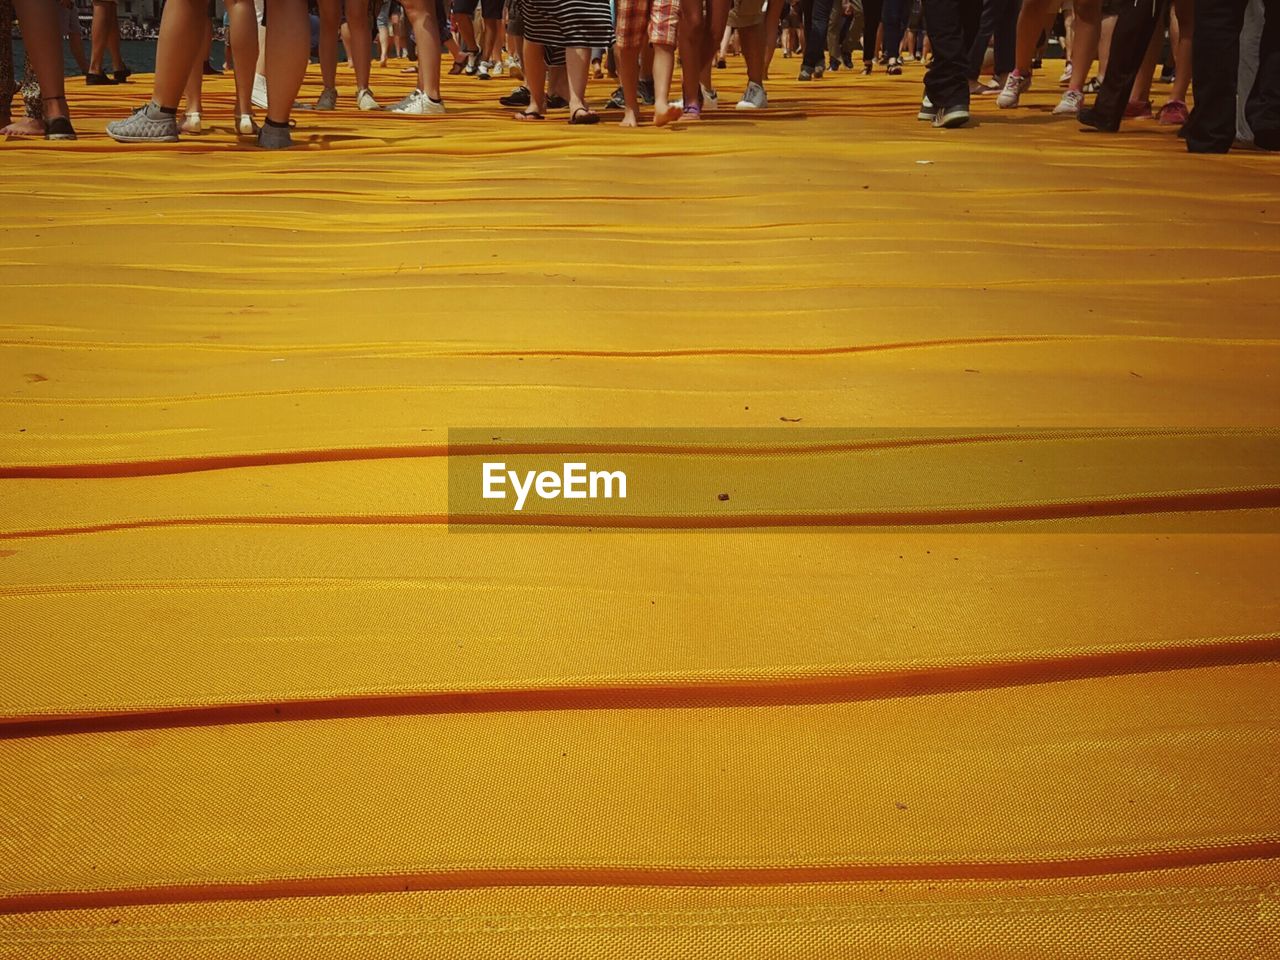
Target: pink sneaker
x=1138 y=110
x=1174 y=113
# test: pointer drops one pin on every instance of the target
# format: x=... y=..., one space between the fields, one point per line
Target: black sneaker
x=519 y=97
x=847 y=60
x=616 y=100
x=556 y=103
x=645 y=89
x=805 y=73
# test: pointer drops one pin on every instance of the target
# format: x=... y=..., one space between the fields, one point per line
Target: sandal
x=584 y=117
x=527 y=115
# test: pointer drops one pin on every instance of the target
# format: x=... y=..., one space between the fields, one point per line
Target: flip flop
x=584 y=117
x=524 y=115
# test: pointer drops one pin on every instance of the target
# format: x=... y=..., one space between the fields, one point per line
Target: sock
x=278 y=126
x=167 y=111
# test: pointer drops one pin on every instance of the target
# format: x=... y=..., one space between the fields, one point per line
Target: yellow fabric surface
x=257 y=700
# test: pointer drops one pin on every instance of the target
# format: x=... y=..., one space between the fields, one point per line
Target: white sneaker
x=365 y=101
x=259 y=97
x=245 y=125
x=418 y=103
x=514 y=69
x=1066 y=75
x=495 y=69
x=754 y=98
x=1014 y=87
x=1070 y=104
x=483 y=71
x=927 y=110
x=710 y=99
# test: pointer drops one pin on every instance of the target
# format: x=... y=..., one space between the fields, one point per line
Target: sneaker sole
x=120 y=138
x=953 y=121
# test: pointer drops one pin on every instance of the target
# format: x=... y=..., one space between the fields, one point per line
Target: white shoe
x=710 y=99
x=245 y=125
x=484 y=71
x=1014 y=87
x=1066 y=75
x=514 y=69
x=496 y=69
x=259 y=97
x=418 y=103
x=1070 y=104
x=365 y=101
x=754 y=98
x=190 y=123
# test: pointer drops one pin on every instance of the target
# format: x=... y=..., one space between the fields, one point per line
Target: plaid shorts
x=660 y=16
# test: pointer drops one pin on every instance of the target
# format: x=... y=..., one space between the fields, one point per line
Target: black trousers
x=999 y=19
x=871 y=13
x=1216 y=59
x=1135 y=26
x=817 y=20
x=952 y=25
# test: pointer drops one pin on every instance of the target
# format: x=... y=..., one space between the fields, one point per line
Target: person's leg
x=1211 y=128
x=692 y=38
x=1250 y=50
x=1262 y=106
x=288 y=51
x=192 y=123
x=577 y=64
x=1133 y=31
x=75 y=40
x=98 y=35
x=952 y=26
x=113 y=41
x=872 y=10
x=815 y=43
x=1084 y=46
x=40 y=38
x=1005 y=36
x=628 y=59
x=664 y=17
x=327 y=47
x=244 y=44
x=986 y=29
x=533 y=58
x=1141 y=93
x=1182 y=36
x=423 y=17
x=464 y=25
x=359 y=50
x=1030 y=26
x=8 y=85
x=1104 y=43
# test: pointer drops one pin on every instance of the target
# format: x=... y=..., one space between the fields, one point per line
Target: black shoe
x=834 y=65
x=210 y=70
x=616 y=101
x=1090 y=117
x=124 y=73
x=1266 y=139
x=817 y=72
x=1037 y=63
x=847 y=60
x=556 y=103
x=519 y=97
x=645 y=89
x=805 y=73
x=721 y=63
x=98 y=80
x=866 y=68
x=59 y=128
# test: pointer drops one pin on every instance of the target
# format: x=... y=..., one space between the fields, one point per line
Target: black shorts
x=489 y=9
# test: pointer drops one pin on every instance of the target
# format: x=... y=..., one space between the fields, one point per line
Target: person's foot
x=245 y=125
x=981 y=88
x=519 y=97
x=382 y=64
x=99 y=79
x=805 y=74
x=1137 y=110
x=259 y=96
x=483 y=71
x=692 y=112
x=1089 y=117
x=866 y=68
x=1065 y=79
x=927 y=110
x=1070 y=104
x=274 y=136
x=597 y=70
x=662 y=117
x=26 y=127
x=629 y=118
x=148 y=124
x=470 y=65
x=455 y=68
x=1173 y=114
x=754 y=98
x=710 y=99
x=191 y=122
x=417 y=104
x=894 y=67
x=951 y=117
x=365 y=100
x=1015 y=85
x=59 y=128
x=328 y=99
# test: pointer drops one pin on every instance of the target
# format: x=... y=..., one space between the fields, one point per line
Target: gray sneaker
x=327 y=100
x=274 y=138
x=754 y=99
x=147 y=124
x=951 y=117
x=417 y=103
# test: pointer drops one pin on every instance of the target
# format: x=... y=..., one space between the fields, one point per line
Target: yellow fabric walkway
x=259 y=701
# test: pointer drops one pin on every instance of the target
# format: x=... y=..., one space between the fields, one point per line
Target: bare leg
x=492 y=41
x=288 y=42
x=384 y=44
x=330 y=21
x=664 y=67
x=1104 y=44
x=577 y=61
x=1084 y=47
x=752 y=40
x=422 y=17
x=1181 y=28
x=692 y=39
x=43 y=41
x=113 y=38
x=75 y=40
x=98 y=35
x=1030 y=25
x=193 y=90
x=772 y=16
x=535 y=76
x=1142 y=85
x=628 y=59
x=465 y=28
x=358 y=47
x=244 y=40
